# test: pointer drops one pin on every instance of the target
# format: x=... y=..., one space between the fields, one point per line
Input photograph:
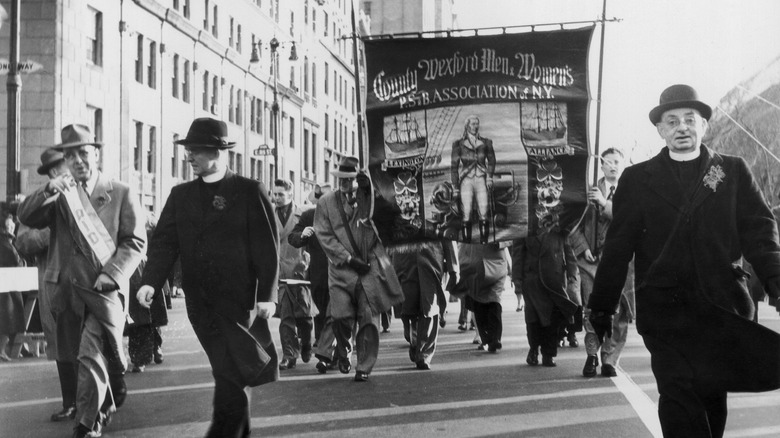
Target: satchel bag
x=256 y=361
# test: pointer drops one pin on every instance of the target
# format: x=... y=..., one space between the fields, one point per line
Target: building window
x=327 y=130
x=185 y=165
x=259 y=116
x=138 y=148
x=206 y=91
x=239 y=164
x=292 y=23
x=95 y=39
x=367 y=8
x=207 y=11
x=327 y=171
x=252 y=114
x=152 y=151
x=239 y=108
x=238 y=38
x=306 y=149
x=231 y=106
x=232 y=35
x=151 y=69
x=175 y=157
x=186 y=9
x=276 y=10
x=314 y=80
x=314 y=152
x=292 y=133
x=97 y=122
x=175 y=77
x=214 y=94
x=314 y=21
x=306 y=76
x=215 y=23
x=139 y=60
x=185 y=84
x=325 y=26
x=326 y=78
x=232 y=160
x=292 y=78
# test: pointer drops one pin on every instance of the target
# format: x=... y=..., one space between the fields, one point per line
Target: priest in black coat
x=222 y=227
x=689 y=215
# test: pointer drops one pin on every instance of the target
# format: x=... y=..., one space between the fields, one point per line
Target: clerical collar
x=685 y=156
x=214 y=177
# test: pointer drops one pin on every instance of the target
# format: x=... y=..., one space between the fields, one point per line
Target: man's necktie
x=84 y=186
x=611 y=192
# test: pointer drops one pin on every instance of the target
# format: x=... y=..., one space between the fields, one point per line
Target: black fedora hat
x=207 y=132
x=76 y=135
x=50 y=158
x=679 y=96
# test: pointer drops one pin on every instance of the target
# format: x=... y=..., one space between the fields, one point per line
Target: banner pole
x=596 y=154
x=358 y=95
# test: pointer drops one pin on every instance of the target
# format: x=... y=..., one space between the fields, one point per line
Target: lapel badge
x=714 y=177
x=219 y=203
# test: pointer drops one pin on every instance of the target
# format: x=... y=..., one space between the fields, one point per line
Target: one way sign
x=28 y=66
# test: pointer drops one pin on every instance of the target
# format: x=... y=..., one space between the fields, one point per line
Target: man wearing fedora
x=688 y=216
x=361 y=278
x=97 y=241
x=34 y=243
x=222 y=227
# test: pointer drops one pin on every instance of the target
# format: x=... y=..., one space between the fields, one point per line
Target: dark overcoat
x=229 y=253
x=727 y=218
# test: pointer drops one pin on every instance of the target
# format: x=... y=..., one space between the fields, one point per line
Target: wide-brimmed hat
x=207 y=132
x=76 y=135
x=50 y=158
x=348 y=168
x=319 y=190
x=679 y=96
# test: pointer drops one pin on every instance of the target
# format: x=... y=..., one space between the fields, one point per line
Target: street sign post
x=28 y=66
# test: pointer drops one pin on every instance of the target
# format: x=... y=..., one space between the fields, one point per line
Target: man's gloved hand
x=359 y=266
x=602 y=324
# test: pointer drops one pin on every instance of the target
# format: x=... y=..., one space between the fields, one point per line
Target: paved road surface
x=468 y=393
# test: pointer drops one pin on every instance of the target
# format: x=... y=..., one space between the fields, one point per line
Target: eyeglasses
x=674 y=122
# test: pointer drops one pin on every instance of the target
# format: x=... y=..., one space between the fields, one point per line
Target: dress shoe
x=462 y=327
x=286 y=364
x=118 y=389
x=481 y=347
x=65 y=414
x=493 y=347
x=322 y=367
x=608 y=370
x=572 y=338
x=158 y=355
x=306 y=355
x=82 y=431
x=361 y=376
x=138 y=368
x=423 y=365
x=548 y=361
x=589 y=370
x=442 y=322
x=412 y=354
x=344 y=366
x=533 y=357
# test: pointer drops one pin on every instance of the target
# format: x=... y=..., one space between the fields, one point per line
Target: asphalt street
x=468 y=393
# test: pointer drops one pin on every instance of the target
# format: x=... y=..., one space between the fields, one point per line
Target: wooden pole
x=13 y=85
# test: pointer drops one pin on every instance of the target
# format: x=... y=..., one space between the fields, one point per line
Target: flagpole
x=357 y=96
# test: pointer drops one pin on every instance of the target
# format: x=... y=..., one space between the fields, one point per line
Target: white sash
x=89 y=224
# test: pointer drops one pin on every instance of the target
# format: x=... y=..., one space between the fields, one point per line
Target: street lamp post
x=274 y=44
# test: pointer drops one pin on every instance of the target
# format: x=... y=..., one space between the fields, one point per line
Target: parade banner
x=478 y=139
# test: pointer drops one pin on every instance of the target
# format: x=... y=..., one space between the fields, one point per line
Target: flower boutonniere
x=219 y=203
x=714 y=177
